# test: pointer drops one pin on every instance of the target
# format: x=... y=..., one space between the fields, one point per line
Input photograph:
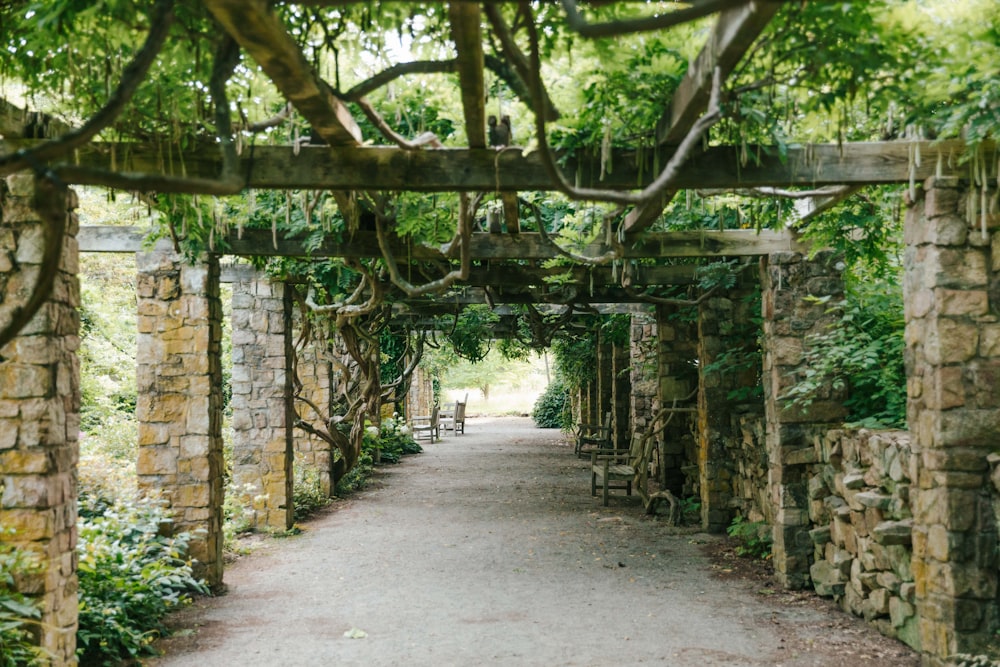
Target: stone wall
x=677 y=354
x=728 y=390
x=179 y=406
x=40 y=412
x=859 y=503
x=420 y=398
x=750 y=492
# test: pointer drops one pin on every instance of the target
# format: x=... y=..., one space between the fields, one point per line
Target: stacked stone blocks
x=179 y=407
x=726 y=343
x=793 y=292
x=40 y=414
x=261 y=402
x=859 y=503
x=952 y=296
x=678 y=377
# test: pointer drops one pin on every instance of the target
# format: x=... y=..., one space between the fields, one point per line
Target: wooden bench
x=427 y=426
x=621 y=468
x=593 y=436
x=454 y=421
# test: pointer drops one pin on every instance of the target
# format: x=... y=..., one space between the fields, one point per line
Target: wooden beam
x=812 y=206
x=734 y=32
x=259 y=31
x=259 y=243
x=462 y=170
x=466 y=31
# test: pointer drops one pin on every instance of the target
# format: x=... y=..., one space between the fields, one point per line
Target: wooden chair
x=454 y=421
x=621 y=468
x=429 y=425
x=593 y=436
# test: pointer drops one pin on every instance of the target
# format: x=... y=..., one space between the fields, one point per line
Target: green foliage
x=553 y=407
x=575 y=357
x=130 y=577
x=18 y=614
x=307 y=491
x=862 y=353
x=472 y=335
x=357 y=477
x=754 y=538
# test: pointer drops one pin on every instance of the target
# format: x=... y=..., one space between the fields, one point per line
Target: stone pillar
x=594 y=415
x=179 y=407
x=420 y=398
x=605 y=378
x=788 y=283
x=678 y=378
x=315 y=373
x=621 y=390
x=262 y=395
x=643 y=401
x=729 y=370
x=40 y=413
x=952 y=296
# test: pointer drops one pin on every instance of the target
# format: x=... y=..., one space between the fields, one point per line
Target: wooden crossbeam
x=734 y=32
x=259 y=243
x=458 y=170
x=259 y=31
x=466 y=31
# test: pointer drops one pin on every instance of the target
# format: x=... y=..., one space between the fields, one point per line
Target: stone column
x=788 y=283
x=179 y=407
x=40 y=413
x=678 y=378
x=952 y=296
x=316 y=375
x=605 y=378
x=729 y=370
x=594 y=415
x=621 y=390
x=262 y=394
x=643 y=401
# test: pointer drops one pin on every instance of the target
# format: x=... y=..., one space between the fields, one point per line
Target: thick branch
x=696 y=10
x=659 y=185
x=521 y=72
x=161 y=19
x=425 y=139
x=398 y=70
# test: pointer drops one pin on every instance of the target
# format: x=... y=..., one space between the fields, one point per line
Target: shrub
x=754 y=538
x=130 y=577
x=307 y=491
x=552 y=409
x=18 y=614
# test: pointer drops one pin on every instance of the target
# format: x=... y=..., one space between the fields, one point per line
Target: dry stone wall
x=677 y=352
x=40 y=413
x=859 y=505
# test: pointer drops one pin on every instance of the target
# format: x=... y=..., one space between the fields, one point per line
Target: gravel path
x=487 y=549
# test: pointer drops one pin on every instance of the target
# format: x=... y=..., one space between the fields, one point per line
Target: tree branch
x=398 y=70
x=697 y=10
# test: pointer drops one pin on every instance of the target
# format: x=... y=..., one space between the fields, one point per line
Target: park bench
x=427 y=426
x=621 y=468
x=454 y=421
x=593 y=436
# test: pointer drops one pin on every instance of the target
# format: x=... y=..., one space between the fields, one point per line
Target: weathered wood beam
x=527 y=276
x=259 y=243
x=458 y=170
x=734 y=32
x=466 y=31
x=261 y=34
x=814 y=205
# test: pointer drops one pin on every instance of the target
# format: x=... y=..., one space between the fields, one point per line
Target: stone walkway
x=489 y=550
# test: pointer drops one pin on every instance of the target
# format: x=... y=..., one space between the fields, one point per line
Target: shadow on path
x=488 y=549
